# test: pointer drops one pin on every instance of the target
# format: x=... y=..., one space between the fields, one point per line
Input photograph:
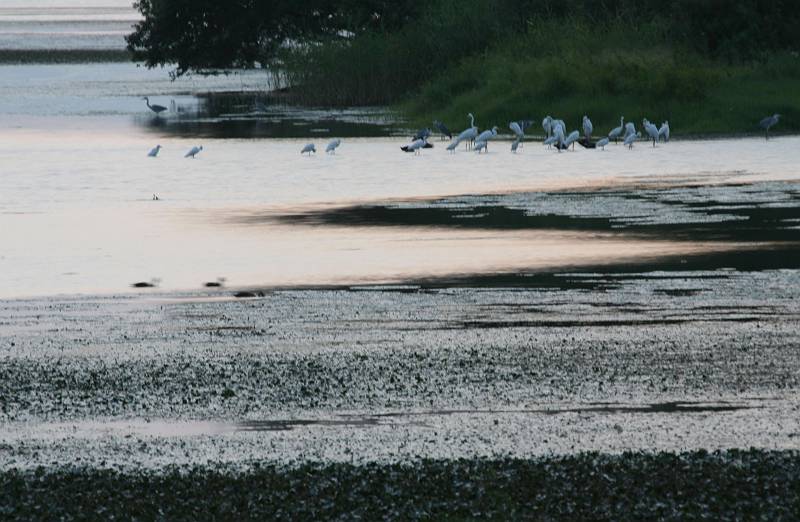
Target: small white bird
x=663 y=132
x=651 y=130
x=602 y=143
x=309 y=148
x=587 y=128
x=154 y=151
x=485 y=136
x=769 y=122
x=415 y=146
x=193 y=152
x=571 y=139
x=631 y=138
x=547 y=126
x=616 y=132
x=331 y=148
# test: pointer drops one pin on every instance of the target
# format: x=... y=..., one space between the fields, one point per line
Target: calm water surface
x=77 y=213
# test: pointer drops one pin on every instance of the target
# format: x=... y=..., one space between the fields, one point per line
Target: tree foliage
x=209 y=34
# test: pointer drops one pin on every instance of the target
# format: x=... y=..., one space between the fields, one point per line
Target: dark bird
x=158 y=109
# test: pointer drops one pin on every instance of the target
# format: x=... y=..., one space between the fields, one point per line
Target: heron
x=309 y=148
x=630 y=138
x=630 y=128
x=516 y=128
x=422 y=134
x=769 y=121
x=547 y=126
x=452 y=146
x=587 y=127
x=616 y=132
x=193 y=152
x=154 y=151
x=558 y=134
x=415 y=146
x=663 y=132
x=443 y=129
x=485 y=136
x=651 y=130
x=602 y=142
x=481 y=145
x=331 y=148
x=158 y=109
x=515 y=144
x=467 y=135
x=571 y=139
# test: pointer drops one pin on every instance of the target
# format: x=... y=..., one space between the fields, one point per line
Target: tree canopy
x=210 y=34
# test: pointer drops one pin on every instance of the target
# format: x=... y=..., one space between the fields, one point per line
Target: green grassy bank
x=703 y=68
x=732 y=485
x=569 y=71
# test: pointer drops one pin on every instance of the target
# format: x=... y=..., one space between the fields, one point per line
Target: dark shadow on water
x=243 y=116
x=735 y=212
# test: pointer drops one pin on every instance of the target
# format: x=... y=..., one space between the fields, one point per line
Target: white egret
x=602 y=142
x=158 y=109
x=443 y=129
x=154 y=151
x=616 y=132
x=415 y=146
x=331 y=148
x=516 y=129
x=630 y=128
x=558 y=134
x=485 y=136
x=547 y=126
x=467 y=135
x=663 y=132
x=768 y=122
x=631 y=138
x=193 y=152
x=651 y=130
x=571 y=139
x=587 y=128
x=309 y=148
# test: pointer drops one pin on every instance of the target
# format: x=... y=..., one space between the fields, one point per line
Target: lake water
x=77 y=213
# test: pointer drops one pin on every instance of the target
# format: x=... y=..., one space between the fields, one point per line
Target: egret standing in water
x=587 y=128
x=516 y=128
x=309 y=148
x=663 y=132
x=651 y=130
x=467 y=135
x=485 y=136
x=154 y=151
x=768 y=122
x=616 y=132
x=193 y=152
x=331 y=148
x=602 y=143
x=630 y=138
x=158 y=109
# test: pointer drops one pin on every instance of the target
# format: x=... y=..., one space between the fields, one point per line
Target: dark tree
x=210 y=34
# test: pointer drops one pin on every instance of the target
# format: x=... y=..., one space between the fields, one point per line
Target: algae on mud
x=732 y=485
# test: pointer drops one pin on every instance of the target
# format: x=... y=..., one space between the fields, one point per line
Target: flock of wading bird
x=555 y=135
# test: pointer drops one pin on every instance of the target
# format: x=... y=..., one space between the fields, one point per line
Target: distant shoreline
x=66 y=56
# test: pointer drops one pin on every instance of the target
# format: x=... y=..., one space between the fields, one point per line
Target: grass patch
x=731 y=485
x=571 y=69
